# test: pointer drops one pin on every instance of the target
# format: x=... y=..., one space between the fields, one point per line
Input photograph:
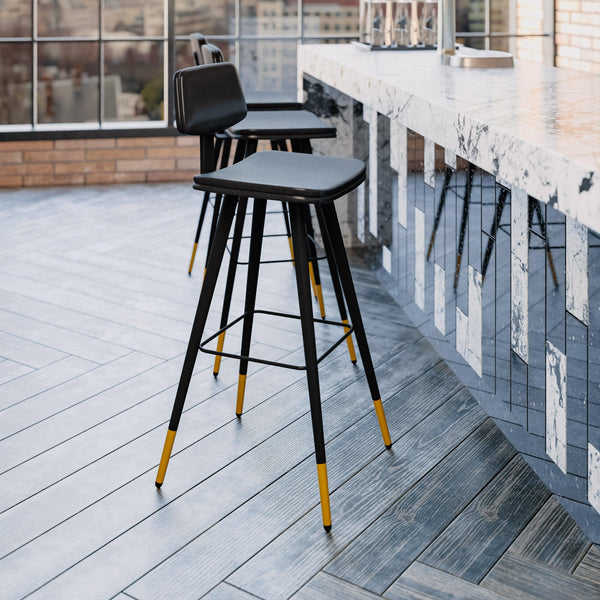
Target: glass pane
x=67 y=82
x=205 y=16
x=470 y=15
x=279 y=17
x=183 y=55
x=133 y=81
x=338 y=17
x=15 y=84
x=499 y=13
x=132 y=17
x=15 y=18
x=67 y=17
x=269 y=66
x=472 y=42
x=499 y=43
x=184 y=58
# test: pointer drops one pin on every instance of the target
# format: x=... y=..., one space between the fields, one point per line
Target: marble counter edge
x=567 y=185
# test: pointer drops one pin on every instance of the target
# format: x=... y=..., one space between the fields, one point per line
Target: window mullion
x=34 y=63
x=101 y=62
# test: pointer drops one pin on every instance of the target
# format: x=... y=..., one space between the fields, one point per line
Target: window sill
x=74 y=131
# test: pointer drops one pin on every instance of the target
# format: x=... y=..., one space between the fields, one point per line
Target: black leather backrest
x=208 y=98
x=212 y=54
x=197 y=40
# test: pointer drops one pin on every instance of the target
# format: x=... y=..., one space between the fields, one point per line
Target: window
x=89 y=64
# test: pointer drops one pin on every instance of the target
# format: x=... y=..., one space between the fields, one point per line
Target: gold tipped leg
x=193 y=257
x=350 y=342
x=320 y=299
x=291 y=250
x=164 y=459
x=218 y=357
x=239 y=407
x=324 y=494
x=312 y=278
x=385 y=433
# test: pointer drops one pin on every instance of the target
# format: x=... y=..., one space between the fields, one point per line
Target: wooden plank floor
x=95 y=310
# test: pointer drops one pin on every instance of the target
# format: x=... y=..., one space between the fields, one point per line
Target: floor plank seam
x=498 y=474
x=306 y=458
x=97 y=365
x=162 y=424
x=141 y=373
x=354 y=474
x=118 y=323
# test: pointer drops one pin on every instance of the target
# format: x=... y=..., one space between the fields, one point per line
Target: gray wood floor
x=95 y=311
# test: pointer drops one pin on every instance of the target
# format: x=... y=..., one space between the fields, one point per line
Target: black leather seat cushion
x=289 y=176
x=284 y=124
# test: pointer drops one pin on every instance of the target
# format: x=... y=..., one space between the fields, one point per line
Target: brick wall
x=578 y=35
x=97 y=161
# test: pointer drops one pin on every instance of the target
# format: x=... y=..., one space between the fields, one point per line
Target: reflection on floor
x=95 y=310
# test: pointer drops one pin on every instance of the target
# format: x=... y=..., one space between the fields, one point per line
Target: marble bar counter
x=533 y=127
x=481 y=214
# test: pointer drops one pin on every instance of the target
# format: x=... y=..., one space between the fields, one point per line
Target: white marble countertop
x=534 y=127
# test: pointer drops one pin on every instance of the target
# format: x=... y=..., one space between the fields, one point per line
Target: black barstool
x=275 y=176
x=277 y=127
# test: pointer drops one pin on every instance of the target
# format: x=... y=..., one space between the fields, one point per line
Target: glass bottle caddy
x=398 y=24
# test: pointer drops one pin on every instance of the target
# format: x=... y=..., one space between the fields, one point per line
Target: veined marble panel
x=370 y=116
x=519 y=297
x=398 y=162
x=594 y=476
x=429 y=163
x=419 y=258
x=439 y=298
x=360 y=212
x=462 y=333
x=577 y=295
x=450 y=158
x=474 y=320
x=556 y=406
x=386 y=259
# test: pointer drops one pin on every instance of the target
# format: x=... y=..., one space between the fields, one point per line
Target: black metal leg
x=299 y=217
x=313 y=265
x=256 y=237
x=337 y=242
x=208 y=287
x=335 y=278
x=538 y=210
x=224 y=159
x=240 y=151
x=288 y=230
x=238 y=231
x=198 y=230
x=463 y=223
x=282 y=146
x=498 y=215
x=440 y=208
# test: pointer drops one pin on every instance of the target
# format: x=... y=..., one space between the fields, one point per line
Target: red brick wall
x=97 y=161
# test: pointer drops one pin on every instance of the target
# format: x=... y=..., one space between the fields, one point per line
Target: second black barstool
x=277 y=126
x=209 y=98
